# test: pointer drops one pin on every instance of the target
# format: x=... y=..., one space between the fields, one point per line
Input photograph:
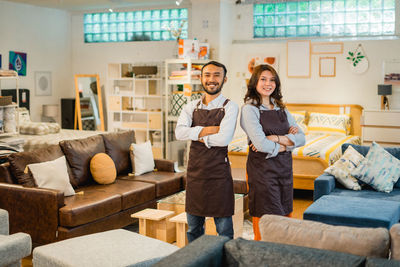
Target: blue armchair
x=12 y=247
x=326 y=184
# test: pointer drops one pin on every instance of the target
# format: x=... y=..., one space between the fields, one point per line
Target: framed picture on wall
x=42 y=83
x=327 y=66
x=298 y=59
x=18 y=62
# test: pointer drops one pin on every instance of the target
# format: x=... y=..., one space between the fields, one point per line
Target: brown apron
x=209 y=188
x=270 y=180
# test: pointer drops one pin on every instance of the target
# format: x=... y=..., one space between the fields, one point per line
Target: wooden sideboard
x=381 y=126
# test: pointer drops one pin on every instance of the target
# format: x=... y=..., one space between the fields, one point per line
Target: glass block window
x=143 y=25
x=324 y=18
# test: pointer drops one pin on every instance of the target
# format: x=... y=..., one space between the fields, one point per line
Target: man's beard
x=213 y=92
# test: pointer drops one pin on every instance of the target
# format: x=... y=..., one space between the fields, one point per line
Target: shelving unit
x=136 y=103
x=11 y=76
x=175 y=100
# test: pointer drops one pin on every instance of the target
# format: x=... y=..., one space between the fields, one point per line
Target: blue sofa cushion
x=241 y=252
x=380 y=262
x=354 y=211
x=363 y=150
x=205 y=251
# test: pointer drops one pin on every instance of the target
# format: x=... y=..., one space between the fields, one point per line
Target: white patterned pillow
x=344 y=166
x=379 y=169
x=300 y=118
x=329 y=123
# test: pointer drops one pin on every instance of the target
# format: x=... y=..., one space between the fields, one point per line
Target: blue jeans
x=224 y=226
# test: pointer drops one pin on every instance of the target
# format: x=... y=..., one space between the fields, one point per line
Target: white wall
x=345 y=88
x=44 y=34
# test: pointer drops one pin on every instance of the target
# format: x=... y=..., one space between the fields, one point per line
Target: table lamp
x=50 y=111
x=384 y=90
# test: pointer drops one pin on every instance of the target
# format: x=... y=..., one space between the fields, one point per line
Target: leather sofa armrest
x=323 y=185
x=164 y=165
x=32 y=210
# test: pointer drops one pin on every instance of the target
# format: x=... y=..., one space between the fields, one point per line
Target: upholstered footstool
x=111 y=248
x=354 y=211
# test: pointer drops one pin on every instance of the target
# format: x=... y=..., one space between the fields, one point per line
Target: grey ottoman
x=112 y=248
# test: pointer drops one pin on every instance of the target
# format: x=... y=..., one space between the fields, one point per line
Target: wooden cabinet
x=136 y=103
x=381 y=126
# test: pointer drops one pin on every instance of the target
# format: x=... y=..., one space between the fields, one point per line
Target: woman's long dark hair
x=253 y=96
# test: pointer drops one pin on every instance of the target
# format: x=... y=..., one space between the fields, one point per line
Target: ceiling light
x=110 y=9
x=178 y=2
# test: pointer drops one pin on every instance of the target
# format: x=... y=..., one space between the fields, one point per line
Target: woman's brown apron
x=270 y=180
x=209 y=188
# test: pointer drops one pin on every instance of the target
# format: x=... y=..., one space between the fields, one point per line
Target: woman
x=272 y=133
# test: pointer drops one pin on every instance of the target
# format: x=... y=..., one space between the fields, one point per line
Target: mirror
x=88 y=103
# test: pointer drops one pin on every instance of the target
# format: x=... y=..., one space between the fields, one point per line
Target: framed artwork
x=254 y=60
x=327 y=48
x=327 y=66
x=0 y=61
x=42 y=83
x=17 y=62
x=391 y=70
x=298 y=59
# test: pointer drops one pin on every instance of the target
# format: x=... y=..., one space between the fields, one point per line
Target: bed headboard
x=354 y=110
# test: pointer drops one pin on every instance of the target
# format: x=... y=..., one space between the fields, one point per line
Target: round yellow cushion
x=103 y=168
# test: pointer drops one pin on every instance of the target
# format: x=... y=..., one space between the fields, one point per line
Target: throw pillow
x=379 y=169
x=103 y=168
x=117 y=147
x=142 y=158
x=329 y=123
x=19 y=161
x=300 y=118
x=79 y=152
x=52 y=175
x=344 y=166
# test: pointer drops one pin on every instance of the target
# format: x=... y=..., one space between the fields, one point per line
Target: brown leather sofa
x=48 y=216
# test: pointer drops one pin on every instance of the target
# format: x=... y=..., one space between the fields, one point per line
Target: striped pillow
x=329 y=123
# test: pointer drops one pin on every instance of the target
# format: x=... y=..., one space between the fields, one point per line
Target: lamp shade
x=384 y=89
x=50 y=110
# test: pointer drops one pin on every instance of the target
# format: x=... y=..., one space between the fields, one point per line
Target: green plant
x=355 y=57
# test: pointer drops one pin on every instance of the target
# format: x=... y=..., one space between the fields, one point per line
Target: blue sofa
x=326 y=184
x=336 y=205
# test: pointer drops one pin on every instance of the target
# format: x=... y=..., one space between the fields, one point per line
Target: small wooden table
x=181 y=229
x=176 y=203
x=154 y=223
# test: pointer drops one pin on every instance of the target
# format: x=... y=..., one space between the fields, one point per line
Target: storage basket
x=5 y=100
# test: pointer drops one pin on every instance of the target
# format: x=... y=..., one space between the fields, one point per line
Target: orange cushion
x=103 y=168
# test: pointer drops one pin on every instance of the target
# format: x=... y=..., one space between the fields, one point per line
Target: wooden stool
x=181 y=229
x=154 y=223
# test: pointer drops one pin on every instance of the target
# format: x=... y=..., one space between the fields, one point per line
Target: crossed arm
x=282 y=140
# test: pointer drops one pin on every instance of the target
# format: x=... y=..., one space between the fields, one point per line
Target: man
x=210 y=123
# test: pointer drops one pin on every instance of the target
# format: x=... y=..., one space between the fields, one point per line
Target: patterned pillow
x=379 y=169
x=329 y=123
x=344 y=166
x=300 y=118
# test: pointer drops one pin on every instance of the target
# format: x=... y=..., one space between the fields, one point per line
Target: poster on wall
x=18 y=62
x=254 y=60
x=43 y=83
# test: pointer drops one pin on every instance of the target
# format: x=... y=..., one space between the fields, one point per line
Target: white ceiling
x=85 y=5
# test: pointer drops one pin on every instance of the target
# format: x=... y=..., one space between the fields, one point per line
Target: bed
x=320 y=151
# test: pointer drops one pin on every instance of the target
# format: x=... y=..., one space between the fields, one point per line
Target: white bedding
x=33 y=142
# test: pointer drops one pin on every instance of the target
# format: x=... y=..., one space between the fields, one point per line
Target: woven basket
x=5 y=100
